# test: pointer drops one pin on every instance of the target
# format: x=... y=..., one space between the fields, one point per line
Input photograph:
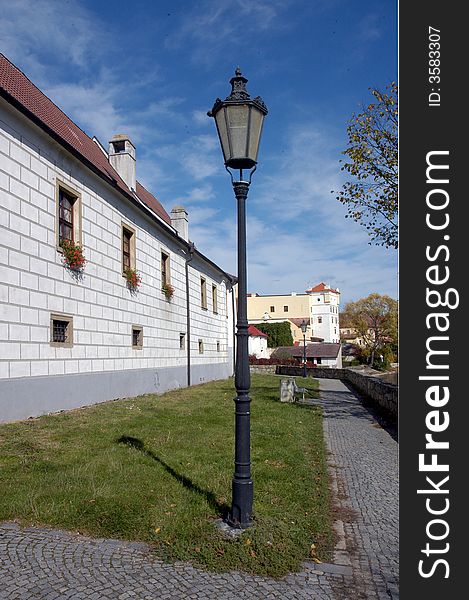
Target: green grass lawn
x=159 y=468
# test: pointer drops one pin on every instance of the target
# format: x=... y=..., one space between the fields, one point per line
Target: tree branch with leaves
x=371 y=197
x=374 y=319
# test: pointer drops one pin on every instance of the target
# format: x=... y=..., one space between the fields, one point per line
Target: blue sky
x=152 y=69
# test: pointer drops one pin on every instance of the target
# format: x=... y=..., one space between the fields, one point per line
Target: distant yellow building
x=318 y=306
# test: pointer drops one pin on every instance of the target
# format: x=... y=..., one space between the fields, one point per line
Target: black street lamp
x=303 y=329
x=239 y=122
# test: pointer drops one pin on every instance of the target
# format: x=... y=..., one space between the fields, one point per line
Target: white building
x=69 y=339
x=257 y=343
x=324 y=304
x=318 y=307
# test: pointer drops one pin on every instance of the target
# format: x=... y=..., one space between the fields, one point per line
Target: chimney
x=122 y=158
x=180 y=222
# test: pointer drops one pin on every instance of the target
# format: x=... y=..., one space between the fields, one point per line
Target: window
x=164 y=269
x=182 y=341
x=137 y=337
x=68 y=215
x=61 y=331
x=285 y=309
x=215 y=299
x=65 y=216
x=218 y=346
x=126 y=241
x=201 y=346
x=128 y=248
x=319 y=319
x=272 y=309
x=203 y=293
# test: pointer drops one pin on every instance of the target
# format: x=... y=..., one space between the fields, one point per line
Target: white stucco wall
x=34 y=282
x=325 y=307
x=257 y=345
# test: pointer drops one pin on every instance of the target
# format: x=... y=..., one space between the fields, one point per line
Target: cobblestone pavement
x=46 y=564
x=363 y=457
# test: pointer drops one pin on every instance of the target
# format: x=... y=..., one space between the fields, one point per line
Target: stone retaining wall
x=263 y=369
x=382 y=395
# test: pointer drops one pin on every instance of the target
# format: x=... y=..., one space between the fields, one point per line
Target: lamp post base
x=240 y=516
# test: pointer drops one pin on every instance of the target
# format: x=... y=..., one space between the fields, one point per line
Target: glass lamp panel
x=238 y=116
x=257 y=119
x=220 y=120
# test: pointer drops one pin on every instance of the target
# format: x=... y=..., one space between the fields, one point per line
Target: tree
x=279 y=333
x=374 y=318
x=371 y=197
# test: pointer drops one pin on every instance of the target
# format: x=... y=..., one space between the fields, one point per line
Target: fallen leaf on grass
x=312 y=553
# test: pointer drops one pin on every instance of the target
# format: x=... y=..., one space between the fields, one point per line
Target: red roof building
x=256 y=332
x=322 y=287
x=26 y=97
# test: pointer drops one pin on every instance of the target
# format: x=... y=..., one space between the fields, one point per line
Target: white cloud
x=213 y=24
x=297 y=231
x=63 y=31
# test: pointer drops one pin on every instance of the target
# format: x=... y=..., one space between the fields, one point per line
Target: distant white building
x=257 y=343
x=324 y=303
x=318 y=307
x=70 y=338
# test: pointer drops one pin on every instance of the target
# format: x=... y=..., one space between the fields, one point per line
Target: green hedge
x=279 y=334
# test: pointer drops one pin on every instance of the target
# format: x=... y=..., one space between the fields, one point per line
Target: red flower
x=73 y=257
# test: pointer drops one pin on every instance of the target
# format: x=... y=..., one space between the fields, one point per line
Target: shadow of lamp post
x=239 y=120
x=303 y=327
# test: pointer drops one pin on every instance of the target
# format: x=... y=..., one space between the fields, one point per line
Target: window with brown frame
x=61 y=331
x=164 y=269
x=128 y=248
x=66 y=202
x=137 y=337
x=215 y=299
x=68 y=215
x=203 y=293
x=126 y=239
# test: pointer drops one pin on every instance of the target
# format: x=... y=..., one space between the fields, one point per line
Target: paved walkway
x=363 y=457
x=51 y=565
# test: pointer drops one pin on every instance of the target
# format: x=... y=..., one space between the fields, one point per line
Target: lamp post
x=239 y=122
x=303 y=329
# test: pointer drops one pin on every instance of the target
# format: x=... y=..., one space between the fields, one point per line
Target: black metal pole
x=240 y=515
x=304 y=354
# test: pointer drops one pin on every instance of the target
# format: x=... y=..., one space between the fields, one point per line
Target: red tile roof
x=322 y=287
x=298 y=321
x=255 y=332
x=45 y=113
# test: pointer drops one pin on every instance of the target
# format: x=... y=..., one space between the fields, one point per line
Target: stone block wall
x=34 y=284
x=383 y=395
x=263 y=369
